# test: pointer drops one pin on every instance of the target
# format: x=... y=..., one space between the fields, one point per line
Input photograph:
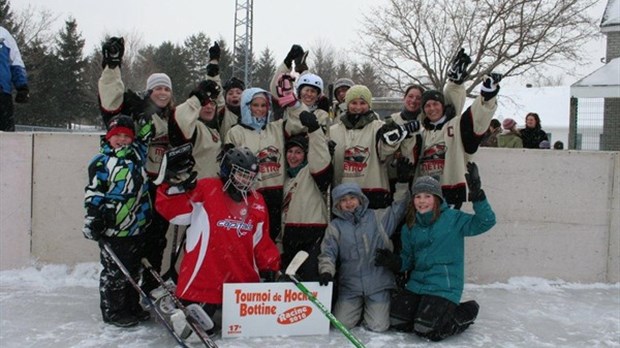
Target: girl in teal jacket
x=433 y=244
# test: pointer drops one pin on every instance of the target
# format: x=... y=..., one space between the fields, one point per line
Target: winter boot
x=122 y=320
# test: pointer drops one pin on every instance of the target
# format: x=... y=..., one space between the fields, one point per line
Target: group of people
x=506 y=134
x=366 y=198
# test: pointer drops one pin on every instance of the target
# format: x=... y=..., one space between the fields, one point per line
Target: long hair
x=411 y=212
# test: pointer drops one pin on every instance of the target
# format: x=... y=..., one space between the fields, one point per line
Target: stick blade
x=200 y=316
x=297 y=261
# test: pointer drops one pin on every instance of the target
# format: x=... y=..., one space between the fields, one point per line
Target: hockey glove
x=386 y=258
x=206 y=91
x=404 y=169
x=490 y=86
x=23 y=94
x=176 y=165
x=457 y=72
x=473 y=183
x=295 y=52
x=215 y=51
x=309 y=120
x=112 y=51
x=411 y=127
x=300 y=63
x=325 y=278
x=286 y=91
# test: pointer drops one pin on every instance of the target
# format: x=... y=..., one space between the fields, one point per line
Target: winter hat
x=343 y=82
x=508 y=124
x=428 y=185
x=158 y=79
x=359 y=91
x=545 y=144
x=233 y=82
x=297 y=140
x=120 y=124
x=432 y=95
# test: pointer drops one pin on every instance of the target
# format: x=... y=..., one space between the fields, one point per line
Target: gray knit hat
x=158 y=79
x=428 y=185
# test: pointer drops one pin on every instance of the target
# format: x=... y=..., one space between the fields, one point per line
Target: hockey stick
x=299 y=259
x=196 y=318
x=143 y=295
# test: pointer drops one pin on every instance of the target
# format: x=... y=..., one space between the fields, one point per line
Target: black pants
x=154 y=243
x=118 y=297
x=308 y=240
x=431 y=317
x=7 y=120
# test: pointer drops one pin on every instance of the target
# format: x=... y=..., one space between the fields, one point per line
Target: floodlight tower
x=242 y=52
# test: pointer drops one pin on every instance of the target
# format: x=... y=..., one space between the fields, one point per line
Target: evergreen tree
x=196 y=49
x=71 y=90
x=7 y=20
x=171 y=59
x=324 y=65
x=226 y=59
x=264 y=69
x=239 y=62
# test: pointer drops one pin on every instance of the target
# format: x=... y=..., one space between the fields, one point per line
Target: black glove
x=225 y=149
x=457 y=72
x=112 y=51
x=23 y=94
x=473 y=183
x=323 y=103
x=411 y=127
x=206 y=91
x=325 y=278
x=391 y=133
x=97 y=221
x=331 y=146
x=309 y=120
x=295 y=52
x=404 y=169
x=270 y=276
x=300 y=63
x=386 y=258
x=215 y=51
x=490 y=86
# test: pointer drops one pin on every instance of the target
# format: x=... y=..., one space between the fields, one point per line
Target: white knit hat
x=158 y=79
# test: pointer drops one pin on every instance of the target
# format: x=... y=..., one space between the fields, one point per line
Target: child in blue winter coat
x=433 y=244
x=350 y=241
x=118 y=210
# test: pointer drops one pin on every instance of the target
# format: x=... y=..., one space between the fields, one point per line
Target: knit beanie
x=158 y=79
x=359 y=91
x=427 y=184
x=297 y=140
x=508 y=124
x=120 y=124
x=233 y=82
x=343 y=82
x=432 y=95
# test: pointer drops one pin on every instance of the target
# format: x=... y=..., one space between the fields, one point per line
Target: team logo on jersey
x=433 y=160
x=269 y=162
x=355 y=159
x=241 y=227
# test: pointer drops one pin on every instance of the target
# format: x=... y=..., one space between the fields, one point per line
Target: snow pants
x=373 y=311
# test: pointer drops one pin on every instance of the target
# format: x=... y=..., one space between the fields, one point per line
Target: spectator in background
x=341 y=86
x=558 y=145
x=12 y=73
x=532 y=134
x=490 y=137
x=510 y=138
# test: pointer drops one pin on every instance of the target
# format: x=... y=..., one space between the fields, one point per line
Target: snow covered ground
x=54 y=306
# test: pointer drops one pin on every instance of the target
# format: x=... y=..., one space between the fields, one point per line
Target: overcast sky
x=277 y=23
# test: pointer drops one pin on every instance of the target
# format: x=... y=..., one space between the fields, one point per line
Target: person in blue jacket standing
x=433 y=248
x=12 y=74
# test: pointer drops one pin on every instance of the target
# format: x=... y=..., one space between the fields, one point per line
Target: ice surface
x=54 y=306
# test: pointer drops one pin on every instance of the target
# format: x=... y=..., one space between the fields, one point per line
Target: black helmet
x=238 y=170
x=234 y=83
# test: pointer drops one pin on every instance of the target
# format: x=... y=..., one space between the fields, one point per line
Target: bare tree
x=413 y=41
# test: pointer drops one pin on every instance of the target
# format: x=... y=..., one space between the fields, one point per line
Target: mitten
x=457 y=72
x=490 y=86
x=325 y=278
x=295 y=52
x=23 y=94
x=323 y=103
x=285 y=90
x=215 y=51
x=112 y=51
x=206 y=91
x=386 y=258
x=309 y=120
x=473 y=183
x=331 y=145
x=404 y=169
x=213 y=69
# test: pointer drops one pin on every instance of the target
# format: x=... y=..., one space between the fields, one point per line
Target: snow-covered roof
x=602 y=83
x=611 y=16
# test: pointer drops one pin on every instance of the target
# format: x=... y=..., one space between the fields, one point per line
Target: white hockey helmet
x=310 y=80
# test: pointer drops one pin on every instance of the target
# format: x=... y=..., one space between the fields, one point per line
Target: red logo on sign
x=294 y=315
